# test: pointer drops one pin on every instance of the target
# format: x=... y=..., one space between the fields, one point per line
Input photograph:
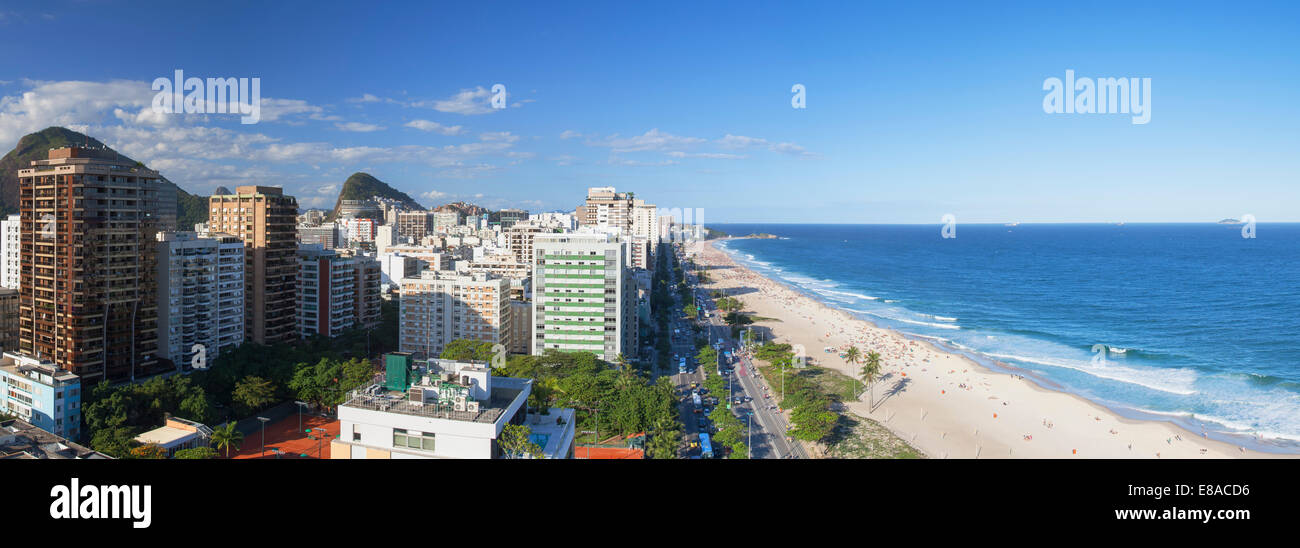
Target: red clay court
x=292 y=443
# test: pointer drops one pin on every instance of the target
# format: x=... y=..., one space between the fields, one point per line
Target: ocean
x=1185 y=322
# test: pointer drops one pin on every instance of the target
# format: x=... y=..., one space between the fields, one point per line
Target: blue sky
x=913 y=111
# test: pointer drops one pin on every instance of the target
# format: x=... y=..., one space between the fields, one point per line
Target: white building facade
x=584 y=298
x=200 y=296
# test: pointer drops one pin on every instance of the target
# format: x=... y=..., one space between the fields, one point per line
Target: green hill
x=190 y=209
x=364 y=186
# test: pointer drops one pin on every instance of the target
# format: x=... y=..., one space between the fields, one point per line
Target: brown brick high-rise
x=88 y=282
x=266 y=219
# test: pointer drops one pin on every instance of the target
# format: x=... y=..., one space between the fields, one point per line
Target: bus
x=695 y=397
x=706 y=450
x=681 y=366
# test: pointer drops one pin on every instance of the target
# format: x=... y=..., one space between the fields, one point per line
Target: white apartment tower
x=9 y=251
x=584 y=297
x=200 y=295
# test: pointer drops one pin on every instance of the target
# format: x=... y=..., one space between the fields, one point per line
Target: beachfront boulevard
x=768 y=427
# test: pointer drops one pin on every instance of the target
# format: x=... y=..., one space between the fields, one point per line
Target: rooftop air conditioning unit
x=459 y=403
x=472 y=406
x=416 y=395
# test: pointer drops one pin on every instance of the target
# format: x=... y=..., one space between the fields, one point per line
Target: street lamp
x=319 y=436
x=301 y=404
x=264 y=421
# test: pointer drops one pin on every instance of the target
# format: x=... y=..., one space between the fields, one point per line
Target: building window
x=413 y=440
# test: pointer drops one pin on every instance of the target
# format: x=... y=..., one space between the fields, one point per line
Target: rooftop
x=376 y=398
x=21 y=440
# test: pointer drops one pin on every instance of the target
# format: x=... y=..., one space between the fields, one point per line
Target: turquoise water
x=1186 y=322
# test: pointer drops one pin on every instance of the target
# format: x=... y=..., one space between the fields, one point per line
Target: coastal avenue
x=768 y=438
x=769 y=427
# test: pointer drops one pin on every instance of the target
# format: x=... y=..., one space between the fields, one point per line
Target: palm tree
x=852 y=355
x=869 y=372
x=544 y=392
x=225 y=437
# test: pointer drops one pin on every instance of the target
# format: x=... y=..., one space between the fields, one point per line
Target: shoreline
x=948 y=404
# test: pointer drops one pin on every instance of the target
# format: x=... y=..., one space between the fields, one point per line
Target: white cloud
x=467 y=102
x=791 y=149
x=498 y=136
x=570 y=134
x=433 y=195
x=740 y=141
x=275 y=109
x=711 y=155
x=620 y=161
x=650 y=140
x=200 y=157
x=736 y=142
x=358 y=127
x=426 y=125
x=65 y=103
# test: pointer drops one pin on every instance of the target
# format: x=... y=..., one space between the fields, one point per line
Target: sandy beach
x=945 y=404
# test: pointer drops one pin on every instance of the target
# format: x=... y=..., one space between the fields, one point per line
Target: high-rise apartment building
x=444 y=220
x=264 y=218
x=355 y=209
x=360 y=230
x=645 y=220
x=584 y=298
x=519 y=241
x=606 y=208
x=336 y=291
x=505 y=266
x=8 y=319
x=369 y=276
x=200 y=295
x=510 y=217
x=326 y=236
x=440 y=307
x=521 y=326
x=10 y=251
x=88 y=291
x=414 y=225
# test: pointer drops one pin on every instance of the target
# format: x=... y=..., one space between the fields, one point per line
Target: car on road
x=748 y=399
x=739 y=401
